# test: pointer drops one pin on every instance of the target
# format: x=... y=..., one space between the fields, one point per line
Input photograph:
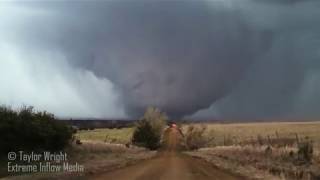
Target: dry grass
x=253 y=162
x=230 y=134
x=96 y=157
x=121 y=136
x=263 y=150
x=101 y=150
x=99 y=156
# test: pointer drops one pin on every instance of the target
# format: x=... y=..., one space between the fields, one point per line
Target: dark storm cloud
x=279 y=83
x=285 y=2
x=180 y=57
x=241 y=58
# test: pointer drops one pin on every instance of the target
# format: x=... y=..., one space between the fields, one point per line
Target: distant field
x=240 y=132
x=222 y=133
x=106 y=135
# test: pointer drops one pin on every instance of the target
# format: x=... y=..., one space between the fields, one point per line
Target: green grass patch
x=122 y=136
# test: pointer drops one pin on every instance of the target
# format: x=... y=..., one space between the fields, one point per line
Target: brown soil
x=169 y=165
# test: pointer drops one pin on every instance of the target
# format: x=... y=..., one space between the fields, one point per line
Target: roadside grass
x=253 y=162
x=248 y=133
x=96 y=157
x=263 y=150
x=99 y=156
x=118 y=136
x=100 y=150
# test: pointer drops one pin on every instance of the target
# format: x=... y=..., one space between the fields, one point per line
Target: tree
x=29 y=130
x=149 y=129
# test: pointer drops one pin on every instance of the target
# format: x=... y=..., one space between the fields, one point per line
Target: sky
x=217 y=59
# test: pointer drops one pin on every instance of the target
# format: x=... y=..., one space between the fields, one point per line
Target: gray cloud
x=279 y=83
x=244 y=59
x=53 y=85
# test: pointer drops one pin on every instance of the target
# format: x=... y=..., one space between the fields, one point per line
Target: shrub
x=156 y=118
x=148 y=130
x=195 y=138
x=28 y=131
x=305 y=150
x=145 y=136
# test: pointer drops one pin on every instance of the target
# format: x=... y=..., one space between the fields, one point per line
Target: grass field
x=100 y=148
x=263 y=150
x=95 y=157
x=222 y=134
x=246 y=132
x=237 y=147
x=120 y=136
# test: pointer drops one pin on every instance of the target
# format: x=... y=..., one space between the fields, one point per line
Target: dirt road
x=169 y=165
